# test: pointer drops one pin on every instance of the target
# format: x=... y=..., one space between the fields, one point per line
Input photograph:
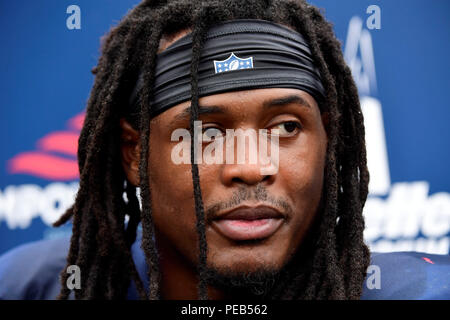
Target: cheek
x=302 y=172
x=172 y=198
x=301 y=175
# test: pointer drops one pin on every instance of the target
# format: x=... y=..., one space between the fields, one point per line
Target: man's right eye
x=212 y=132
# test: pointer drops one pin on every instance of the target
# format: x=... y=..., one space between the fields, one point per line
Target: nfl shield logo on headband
x=233 y=63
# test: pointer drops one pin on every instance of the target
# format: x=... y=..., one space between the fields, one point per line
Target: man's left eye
x=288 y=128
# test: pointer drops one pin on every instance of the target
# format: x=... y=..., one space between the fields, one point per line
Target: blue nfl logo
x=233 y=63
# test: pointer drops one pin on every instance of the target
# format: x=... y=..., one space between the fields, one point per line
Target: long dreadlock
x=100 y=240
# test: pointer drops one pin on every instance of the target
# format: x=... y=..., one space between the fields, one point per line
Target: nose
x=246 y=163
x=250 y=174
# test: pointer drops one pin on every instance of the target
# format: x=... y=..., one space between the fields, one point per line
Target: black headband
x=237 y=55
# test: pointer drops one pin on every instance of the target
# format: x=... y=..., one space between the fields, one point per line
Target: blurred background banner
x=399 y=55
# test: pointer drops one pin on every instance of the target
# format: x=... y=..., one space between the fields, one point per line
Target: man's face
x=254 y=221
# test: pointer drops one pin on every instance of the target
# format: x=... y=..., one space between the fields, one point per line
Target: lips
x=249 y=223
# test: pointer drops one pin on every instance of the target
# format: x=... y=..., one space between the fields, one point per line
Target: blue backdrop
x=401 y=68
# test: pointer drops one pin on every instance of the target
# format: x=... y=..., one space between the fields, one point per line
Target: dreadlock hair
x=101 y=242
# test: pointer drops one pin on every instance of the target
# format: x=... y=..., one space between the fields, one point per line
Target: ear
x=130 y=151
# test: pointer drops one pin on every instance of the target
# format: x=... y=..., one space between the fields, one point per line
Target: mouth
x=249 y=223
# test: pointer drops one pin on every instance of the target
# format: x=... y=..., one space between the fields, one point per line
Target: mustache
x=258 y=193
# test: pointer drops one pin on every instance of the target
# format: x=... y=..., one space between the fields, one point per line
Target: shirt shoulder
x=31 y=271
x=407 y=276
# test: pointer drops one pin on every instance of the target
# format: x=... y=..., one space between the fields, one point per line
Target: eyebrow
x=278 y=102
x=283 y=101
x=186 y=113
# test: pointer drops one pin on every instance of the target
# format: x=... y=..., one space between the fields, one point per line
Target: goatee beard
x=243 y=285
